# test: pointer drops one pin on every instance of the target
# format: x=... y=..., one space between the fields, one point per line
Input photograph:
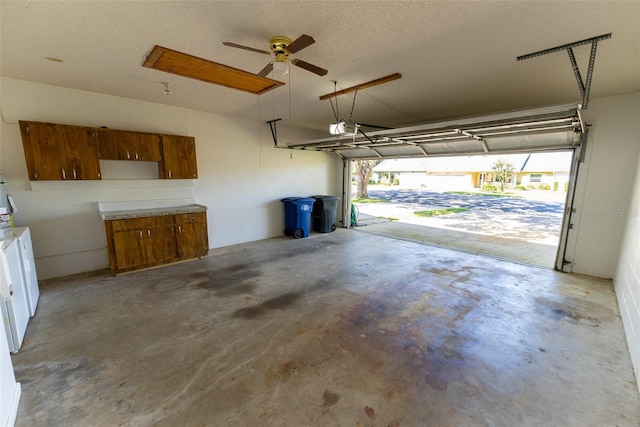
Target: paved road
x=510 y=217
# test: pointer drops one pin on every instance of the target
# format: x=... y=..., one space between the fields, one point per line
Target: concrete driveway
x=524 y=228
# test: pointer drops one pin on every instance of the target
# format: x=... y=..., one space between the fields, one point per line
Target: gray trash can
x=323 y=217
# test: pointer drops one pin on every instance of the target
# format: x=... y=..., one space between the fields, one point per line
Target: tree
x=503 y=171
x=363 y=170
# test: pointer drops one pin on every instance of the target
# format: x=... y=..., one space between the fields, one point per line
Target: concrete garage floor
x=340 y=329
x=517 y=250
x=523 y=228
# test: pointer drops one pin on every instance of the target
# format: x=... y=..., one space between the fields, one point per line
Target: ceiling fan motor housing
x=279 y=45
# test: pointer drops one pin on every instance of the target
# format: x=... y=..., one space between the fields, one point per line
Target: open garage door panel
x=542 y=129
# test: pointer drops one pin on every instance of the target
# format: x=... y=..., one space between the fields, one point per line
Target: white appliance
x=29 y=275
x=14 y=305
x=10 y=390
x=7 y=205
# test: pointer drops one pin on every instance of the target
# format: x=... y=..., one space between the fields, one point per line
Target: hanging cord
x=289 y=93
x=273 y=106
x=259 y=131
x=391 y=107
x=335 y=95
x=353 y=106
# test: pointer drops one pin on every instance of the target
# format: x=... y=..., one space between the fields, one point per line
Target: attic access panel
x=549 y=128
x=182 y=64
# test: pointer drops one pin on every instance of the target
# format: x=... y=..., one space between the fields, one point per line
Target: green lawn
x=471 y=193
x=437 y=212
x=371 y=200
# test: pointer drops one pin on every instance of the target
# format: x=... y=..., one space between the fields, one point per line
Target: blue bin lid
x=305 y=200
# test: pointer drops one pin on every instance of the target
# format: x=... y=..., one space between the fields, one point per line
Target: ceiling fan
x=281 y=47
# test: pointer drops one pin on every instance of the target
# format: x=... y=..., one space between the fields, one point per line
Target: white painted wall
x=241 y=177
x=627 y=277
x=605 y=185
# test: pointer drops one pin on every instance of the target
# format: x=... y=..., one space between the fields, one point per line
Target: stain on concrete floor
x=338 y=329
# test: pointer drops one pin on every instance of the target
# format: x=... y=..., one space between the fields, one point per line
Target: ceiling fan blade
x=266 y=70
x=309 y=67
x=252 y=49
x=300 y=43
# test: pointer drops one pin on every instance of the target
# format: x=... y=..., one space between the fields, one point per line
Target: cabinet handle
x=169 y=174
x=74 y=174
x=180 y=229
x=64 y=174
x=136 y=155
x=149 y=233
x=128 y=156
x=141 y=234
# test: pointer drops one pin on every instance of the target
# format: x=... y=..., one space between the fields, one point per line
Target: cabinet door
x=130 y=249
x=108 y=145
x=178 y=157
x=191 y=235
x=81 y=146
x=123 y=145
x=141 y=242
x=160 y=245
x=59 y=152
x=44 y=151
x=145 y=146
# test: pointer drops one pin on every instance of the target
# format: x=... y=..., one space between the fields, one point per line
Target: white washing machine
x=29 y=275
x=14 y=303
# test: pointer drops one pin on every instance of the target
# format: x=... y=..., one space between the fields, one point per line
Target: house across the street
x=534 y=170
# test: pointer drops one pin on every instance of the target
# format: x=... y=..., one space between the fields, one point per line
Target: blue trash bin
x=297 y=216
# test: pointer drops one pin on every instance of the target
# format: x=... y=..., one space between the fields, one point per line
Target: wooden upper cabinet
x=123 y=145
x=178 y=157
x=60 y=152
x=65 y=152
x=81 y=147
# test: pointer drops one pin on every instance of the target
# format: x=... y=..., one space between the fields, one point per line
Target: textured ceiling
x=456 y=58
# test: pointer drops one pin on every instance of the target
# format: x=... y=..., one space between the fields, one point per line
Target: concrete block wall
x=241 y=176
x=627 y=278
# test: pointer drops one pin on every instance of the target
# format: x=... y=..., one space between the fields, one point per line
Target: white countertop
x=137 y=213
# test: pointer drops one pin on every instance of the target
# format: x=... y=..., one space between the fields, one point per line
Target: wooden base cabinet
x=144 y=242
x=191 y=235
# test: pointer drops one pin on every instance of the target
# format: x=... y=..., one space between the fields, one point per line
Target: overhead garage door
x=543 y=129
x=524 y=131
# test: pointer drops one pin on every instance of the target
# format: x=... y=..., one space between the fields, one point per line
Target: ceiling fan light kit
x=280 y=65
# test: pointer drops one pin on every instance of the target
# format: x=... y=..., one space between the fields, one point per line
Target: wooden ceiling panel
x=182 y=64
